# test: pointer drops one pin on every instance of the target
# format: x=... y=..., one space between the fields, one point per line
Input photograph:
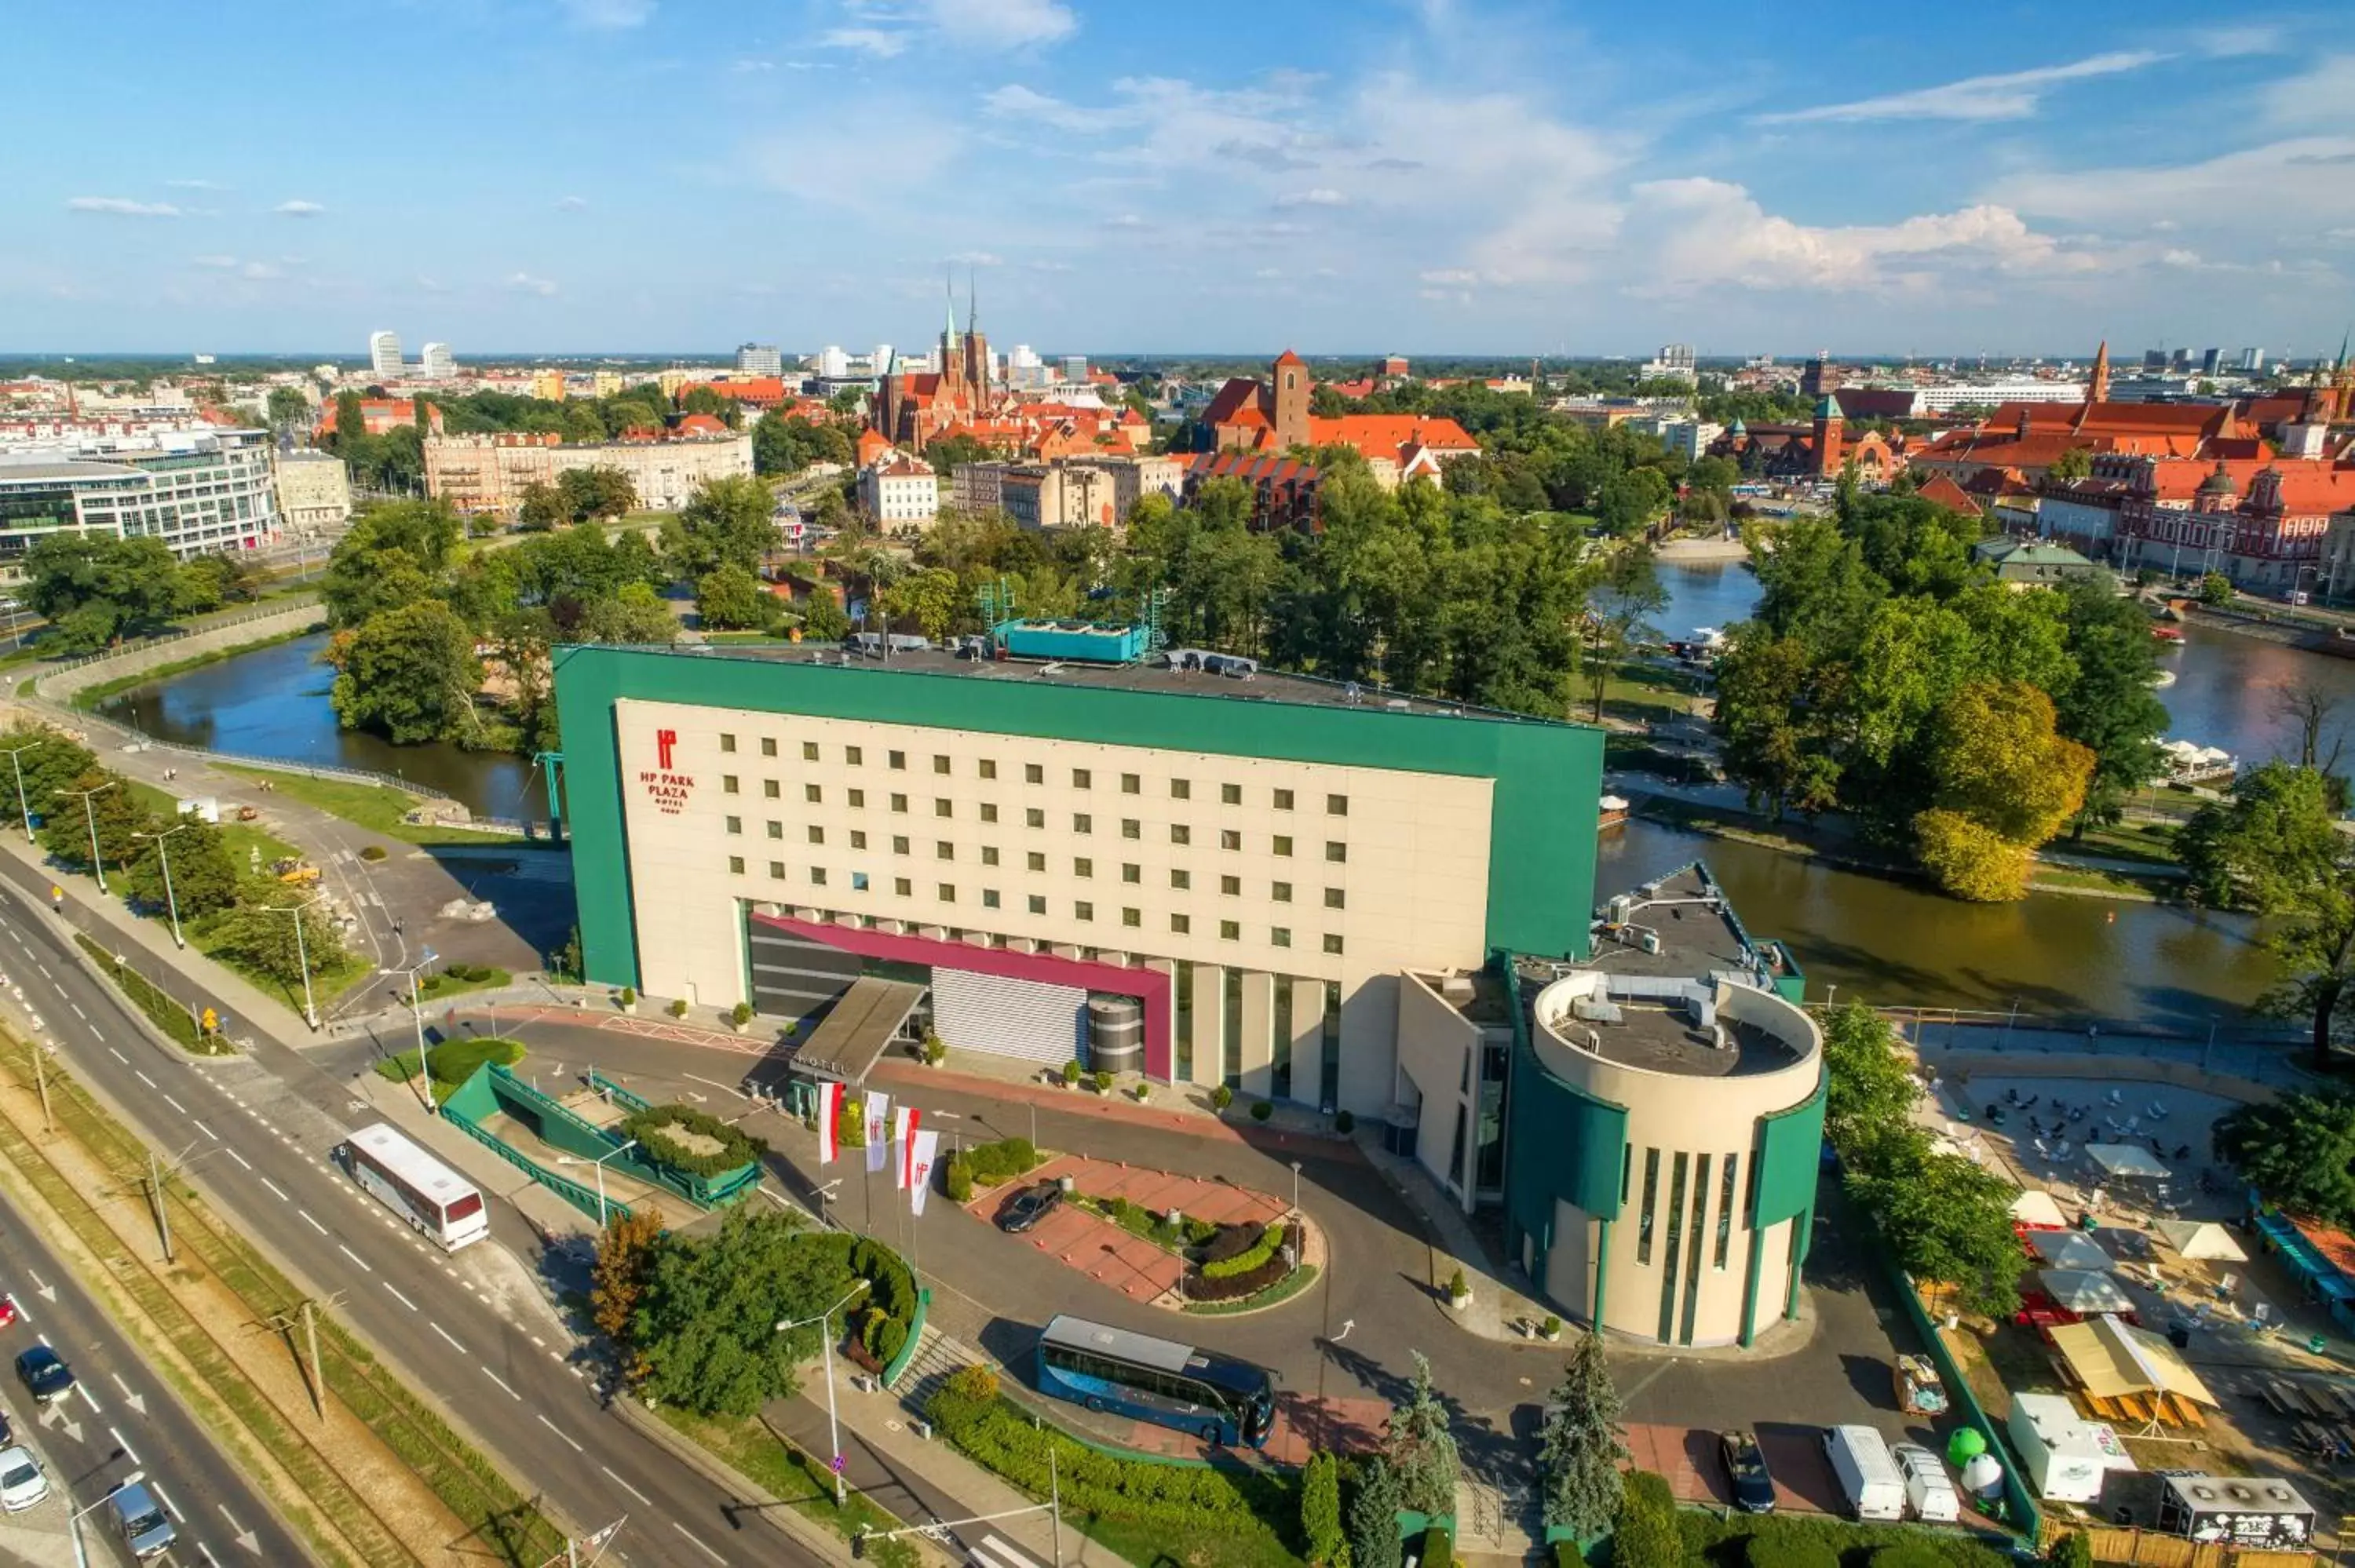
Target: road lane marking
x=118 y=1055
x=355 y=1258
x=157 y=1487
x=233 y=1154
x=209 y=1133
x=560 y=1432
x=175 y=1104
x=121 y=1442
x=272 y=1185
x=83 y=1389
x=627 y=1488
x=397 y=1295
x=94 y=1034
x=445 y=1335
x=146 y=1080
x=208 y=1553
x=78 y=1012
x=500 y=1380
x=312 y=1223
x=699 y=1545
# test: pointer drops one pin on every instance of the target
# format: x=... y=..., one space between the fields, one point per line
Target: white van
x=1868 y=1475
x=1928 y=1490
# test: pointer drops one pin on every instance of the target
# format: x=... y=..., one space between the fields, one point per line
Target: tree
x=2298 y=1150
x=929 y=597
x=625 y=1255
x=204 y=876
x=1645 y=1534
x=727 y=599
x=210 y=581
x=542 y=508
x=596 y=494
x=1320 y=1511
x=259 y=933
x=1869 y=1087
x=1629 y=501
x=96 y=589
x=1580 y=1447
x=2074 y=462
x=287 y=409
x=411 y=674
x=1420 y=1450
x=1969 y=860
x=1373 y=1517
x=1772 y=708
x=727 y=520
x=53 y=761
x=1621 y=605
x=2310 y=705
x=635 y=615
x=2109 y=707
x=1944 y=1220
x=2003 y=782
x=112 y=812
x=2273 y=847
x=823 y=618
x=707 y=1325
x=2216 y=588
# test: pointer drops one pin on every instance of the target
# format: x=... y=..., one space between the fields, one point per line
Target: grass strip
x=90 y=696
x=797 y=1479
x=454 y=1062
x=165 y=1012
x=465 y=1480
x=380 y=808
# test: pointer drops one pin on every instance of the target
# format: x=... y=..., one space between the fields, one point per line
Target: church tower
x=1290 y=378
x=2097 y=390
x=1830 y=432
x=977 y=349
x=952 y=358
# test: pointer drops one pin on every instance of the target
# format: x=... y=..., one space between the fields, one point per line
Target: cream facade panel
x=1257 y=1046
x=1307 y=1041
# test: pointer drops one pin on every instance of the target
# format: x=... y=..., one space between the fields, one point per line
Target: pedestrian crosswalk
x=997 y=1552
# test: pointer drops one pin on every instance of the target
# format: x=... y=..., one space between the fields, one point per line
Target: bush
x=1911 y=1555
x=628 y=998
x=1262 y=1110
x=991 y=1164
x=741 y=1015
x=1792 y=1551
x=1320 y=1511
x=1438 y=1548
x=1102 y=1081
x=1458 y=1288
x=936 y=1050
x=1646 y=1534
x=1344 y=1122
x=1716 y=1541
x=2075 y=1550
x=679 y=1007
x=1566 y=1554
x=1551 y=1327
x=958 y=1176
x=372 y=853
x=652 y=1128
x=1221 y=1098
x=1260 y=1253
x=1072 y=1072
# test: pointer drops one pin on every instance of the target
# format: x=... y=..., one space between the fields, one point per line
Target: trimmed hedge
x=956 y=1177
x=1567 y=1555
x=1438 y=1548
x=1242 y=1263
x=990 y=1163
x=1795 y=1552
x=1728 y=1542
x=881 y=1319
x=652 y=1127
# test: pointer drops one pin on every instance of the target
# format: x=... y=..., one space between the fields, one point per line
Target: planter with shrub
x=1459 y=1290
x=1344 y=1123
x=1221 y=1098
x=628 y=1000
x=936 y=1050
x=1262 y=1110
x=679 y=1007
x=740 y=1017
x=373 y=853
x=1102 y=1081
x=1072 y=1073
x=1551 y=1328
x=692 y=1141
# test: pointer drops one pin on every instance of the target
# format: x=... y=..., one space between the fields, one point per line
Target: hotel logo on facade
x=667 y=788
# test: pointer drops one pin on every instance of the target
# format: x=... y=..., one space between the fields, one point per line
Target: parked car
x=1867 y=1476
x=1028 y=1207
x=9 y=1313
x=1929 y=1491
x=1745 y=1472
x=45 y=1374
x=21 y=1482
x=146 y=1529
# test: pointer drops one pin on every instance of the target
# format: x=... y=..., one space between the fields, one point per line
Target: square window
x=1181 y=924
x=1229 y=840
x=1131 y=873
x=988 y=854
x=768 y=746
x=736 y=863
x=897 y=759
x=1131 y=917
x=1038 y=904
x=1231 y=931
x=1034 y=773
x=728 y=783
x=1333 y=899
x=940 y=763
x=770 y=789
x=1082 y=779
x=777 y=869
x=1336 y=852
x=1231 y=794
x=854 y=755
x=1332 y=943
x=988 y=768
x=1131 y=784
x=735 y=825
x=1083 y=911
x=726 y=743
x=809 y=751
x=943 y=808
x=1337 y=805
x=859 y=798
x=1084 y=867
x=1033 y=816
x=948 y=893
x=857 y=882
x=816 y=834
x=1283 y=845
x=1130 y=828
x=944 y=850
x=900 y=803
x=776 y=830
x=1181 y=789
x=1283 y=799
x=1232 y=887
x=898 y=844
x=1181 y=879
x=1179 y=833
x=1036 y=860
x=1280 y=891
x=1082 y=823
x=858 y=838
x=812 y=794
x=902 y=886
x=989 y=898
x=817 y=876
x=988 y=811
x=1279 y=936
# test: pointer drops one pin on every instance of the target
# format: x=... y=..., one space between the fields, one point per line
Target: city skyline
x=618 y=176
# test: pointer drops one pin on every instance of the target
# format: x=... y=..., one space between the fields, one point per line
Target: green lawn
x=246 y=841
x=1149 y=1548
x=454 y=1062
x=793 y=1479
x=375 y=807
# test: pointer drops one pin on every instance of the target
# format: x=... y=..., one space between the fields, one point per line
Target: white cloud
x=1001 y=24
x=217 y=262
x=746 y=67
x=1318 y=195
x=607 y=16
x=432 y=285
x=1269 y=272
x=122 y=206
x=571 y=203
x=259 y=271
x=2234 y=42
x=194 y=185
x=525 y=283
x=1019 y=103
x=2322 y=96
x=882 y=44
x=299 y=209
x=838 y=163
x=1455 y=275
x=977 y=259
x=2011 y=95
x=2310 y=177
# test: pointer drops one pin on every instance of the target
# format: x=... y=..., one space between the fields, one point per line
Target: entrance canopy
x=2112 y=1360
x=853 y=1036
x=2201 y=1238
x=2083 y=1291
x=2127 y=1159
x=2036 y=1207
x=2068 y=1249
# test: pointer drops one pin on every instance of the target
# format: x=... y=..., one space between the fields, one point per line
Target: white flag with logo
x=919 y=1169
x=829 y=1112
x=878 y=1122
x=903 y=1123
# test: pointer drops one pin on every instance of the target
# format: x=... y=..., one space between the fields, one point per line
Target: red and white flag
x=910 y=1116
x=879 y=1123
x=904 y=1122
x=829 y=1110
x=920 y=1168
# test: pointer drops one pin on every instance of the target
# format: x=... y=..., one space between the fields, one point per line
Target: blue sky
x=1411 y=175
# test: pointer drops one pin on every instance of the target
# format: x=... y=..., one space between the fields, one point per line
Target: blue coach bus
x=1223 y=1400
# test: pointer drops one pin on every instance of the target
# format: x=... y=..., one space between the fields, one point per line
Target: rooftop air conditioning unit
x=1651 y=940
x=1595 y=1009
x=1620 y=905
x=1456 y=987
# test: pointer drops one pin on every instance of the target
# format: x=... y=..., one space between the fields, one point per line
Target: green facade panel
x=1546 y=777
x=1790 y=1148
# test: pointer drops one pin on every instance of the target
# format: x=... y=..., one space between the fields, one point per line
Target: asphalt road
x=453 y=1325
x=121 y=1418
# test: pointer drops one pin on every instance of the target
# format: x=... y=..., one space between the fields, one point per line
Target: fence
x=2149 y=1549
x=474 y=1101
x=166 y=639
x=2045 y=1046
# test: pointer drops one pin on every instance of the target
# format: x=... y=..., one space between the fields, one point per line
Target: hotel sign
x=664 y=786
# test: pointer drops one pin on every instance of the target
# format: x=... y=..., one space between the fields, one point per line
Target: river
x=274 y=703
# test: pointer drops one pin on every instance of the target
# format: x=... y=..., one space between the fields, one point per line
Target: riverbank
x=1691 y=552
x=88 y=698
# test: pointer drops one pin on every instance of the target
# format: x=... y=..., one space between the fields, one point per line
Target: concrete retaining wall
x=61 y=686
x=2063 y=1065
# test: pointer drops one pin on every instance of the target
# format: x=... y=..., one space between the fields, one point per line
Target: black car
x=1745 y=1472
x=45 y=1374
x=1028 y=1207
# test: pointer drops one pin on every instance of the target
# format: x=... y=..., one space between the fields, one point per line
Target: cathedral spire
x=948 y=289
x=2097 y=390
x=973 y=301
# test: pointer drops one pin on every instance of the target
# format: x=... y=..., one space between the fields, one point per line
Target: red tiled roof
x=703 y=424
x=1387 y=436
x=1241 y=395
x=1288 y=357
x=2308 y=488
x=1256 y=468
x=1944 y=491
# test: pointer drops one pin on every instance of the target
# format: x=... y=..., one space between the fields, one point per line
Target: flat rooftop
x=1150 y=674
x=1662 y=1038
x=1698 y=932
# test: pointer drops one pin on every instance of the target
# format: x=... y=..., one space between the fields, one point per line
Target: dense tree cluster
x=96 y=589
x=2298 y=1150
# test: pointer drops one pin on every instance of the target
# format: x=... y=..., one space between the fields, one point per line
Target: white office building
x=759 y=359
x=833 y=363
x=384 y=354
x=1673 y=362
x=200 y=491
x=434 y=362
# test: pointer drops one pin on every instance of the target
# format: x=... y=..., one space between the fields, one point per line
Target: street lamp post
x=171 y=899
x=89 y=813
x=826 y=1344
x=73 y=1521
x=1295 y=1191
x=23 y=810
x=417 y=1016
x=600 y=1164
x=303 y=961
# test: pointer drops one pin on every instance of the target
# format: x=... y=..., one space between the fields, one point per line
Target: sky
x=1358 y=176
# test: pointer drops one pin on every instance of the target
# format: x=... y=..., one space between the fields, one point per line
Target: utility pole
x=89 y=814
x=155 y=1195
x=171 y=899
x=1055 y=1506
x=42 y=1083
x=311 y=1334
x=24 y=813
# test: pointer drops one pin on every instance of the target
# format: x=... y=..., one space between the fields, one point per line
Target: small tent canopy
x=2083 y=1291
x=2112 y=1360
x=2036 y=1207
x=2069 y=1249
x=2201 y=1238
x=2127 y=1159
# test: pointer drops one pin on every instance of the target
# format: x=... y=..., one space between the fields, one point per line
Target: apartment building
x=200 y=491
x=480 y=473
